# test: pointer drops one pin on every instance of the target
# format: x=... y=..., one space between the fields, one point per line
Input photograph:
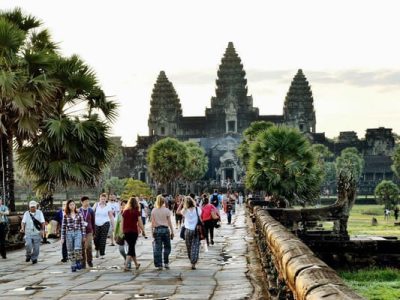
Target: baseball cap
x=32 y=203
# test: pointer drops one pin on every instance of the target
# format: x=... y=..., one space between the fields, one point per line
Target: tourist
x=143 y=209
x=130 y=226
x=59 y=218
x=214 y=200
x=178 y=217
x=396 y=213
x=240 y=199
x=209 y=215
x=4 y=212
x=115 y=207
x=88 y=216
x=192 y=214
x=33 y=227
x=163 y=233
x=103 y=219
x=119 y=234
x=73 y=231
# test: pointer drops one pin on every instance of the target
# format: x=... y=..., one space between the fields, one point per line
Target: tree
x=324 y=157
x=350 y=163
x=249 y=136
x=26 y=55
x=167 y=161
x=115 y=185
x=283 y=163
x=197 y=163
x=72 y=146
x=135 y=187
x=387 y=193
x=396 y=161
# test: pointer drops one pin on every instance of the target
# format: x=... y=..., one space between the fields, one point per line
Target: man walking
x=33 y=227
x=4 y=212
x=88 y=216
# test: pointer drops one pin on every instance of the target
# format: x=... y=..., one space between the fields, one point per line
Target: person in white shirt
x=192 y=214
x=33 y=227
x=115 y=207
x=104 y=217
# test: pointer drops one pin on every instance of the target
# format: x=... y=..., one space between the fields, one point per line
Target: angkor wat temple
x=231 y=112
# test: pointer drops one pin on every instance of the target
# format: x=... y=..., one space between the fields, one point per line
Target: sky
x=348 y=50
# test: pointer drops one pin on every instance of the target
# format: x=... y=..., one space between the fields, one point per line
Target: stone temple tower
x=298 y=110
x=165 y=108
x=231 y=109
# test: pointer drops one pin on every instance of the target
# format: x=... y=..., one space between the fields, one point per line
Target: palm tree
x=283 y=164
x=26 y=92
x=74 y=144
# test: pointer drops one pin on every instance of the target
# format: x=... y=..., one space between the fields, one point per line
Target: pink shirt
x=206 y=212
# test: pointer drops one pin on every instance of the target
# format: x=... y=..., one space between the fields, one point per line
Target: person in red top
x=207 y=212
x=131 y=224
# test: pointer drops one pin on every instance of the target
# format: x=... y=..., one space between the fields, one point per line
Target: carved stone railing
x=293 y=271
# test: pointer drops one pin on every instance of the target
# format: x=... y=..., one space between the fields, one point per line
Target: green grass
x=374 y=283
x=360 y=222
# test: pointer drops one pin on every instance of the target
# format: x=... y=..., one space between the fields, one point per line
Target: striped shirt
x=72 y=224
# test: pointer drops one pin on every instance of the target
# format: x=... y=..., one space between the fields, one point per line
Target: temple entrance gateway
x=229 y=174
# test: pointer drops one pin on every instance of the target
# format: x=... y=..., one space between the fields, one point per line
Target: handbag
x=182 y=233
x=36 y=223
x=120 y=240
x=215 y=214
x=200 y=227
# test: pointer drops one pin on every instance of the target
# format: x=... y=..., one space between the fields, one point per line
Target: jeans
x=161 y=238
x=229 y=216
x=74 y=246
x=123 y=249
x=209 y=230
x=32 y=244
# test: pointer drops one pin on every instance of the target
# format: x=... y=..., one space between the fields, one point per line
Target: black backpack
x=214 y=199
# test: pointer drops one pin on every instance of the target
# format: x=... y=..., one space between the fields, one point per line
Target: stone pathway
x=221 y=272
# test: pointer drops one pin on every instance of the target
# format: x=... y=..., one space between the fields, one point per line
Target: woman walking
x=103 y=219
x=131 y=224
x=163 y=233
x=119 y=235
x=209 y=212
x=73 y=231
x=192 y=214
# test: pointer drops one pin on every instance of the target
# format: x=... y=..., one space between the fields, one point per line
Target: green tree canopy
x=135 y=187
x=283 y=163
x=396 y=161
x=249 y=136
x=387 y=193
x=115 y=185
x=167 y=160
x=197 y=163
x=350 y=163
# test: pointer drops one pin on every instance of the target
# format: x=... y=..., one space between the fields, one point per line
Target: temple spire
x=165 y=107
x=298 y=110
x=231 y=76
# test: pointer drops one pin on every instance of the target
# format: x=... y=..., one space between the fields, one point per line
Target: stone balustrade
x=292 y=269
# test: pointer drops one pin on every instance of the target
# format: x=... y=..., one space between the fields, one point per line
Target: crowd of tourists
x=123 y=221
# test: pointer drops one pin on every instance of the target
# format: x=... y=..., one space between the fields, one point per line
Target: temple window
x=231 y=126
x=162 y=130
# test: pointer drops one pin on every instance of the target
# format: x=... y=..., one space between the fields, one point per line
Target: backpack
x=214 y=199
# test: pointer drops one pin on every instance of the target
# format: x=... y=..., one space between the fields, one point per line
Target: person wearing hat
x=4 y=212
x=33 y=227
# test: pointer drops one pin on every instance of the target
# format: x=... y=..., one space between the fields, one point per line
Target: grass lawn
x=374 y=283
x=360 y=222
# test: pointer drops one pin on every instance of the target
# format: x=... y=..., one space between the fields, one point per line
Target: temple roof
x=299 y=94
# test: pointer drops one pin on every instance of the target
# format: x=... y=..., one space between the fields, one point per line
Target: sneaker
x=166 y=266
x=212 y=242
x=78 y=265
x=4 y=256
x=159 y=268
x=90 y=264
x=193 y=267
x=28 y=259
x=73 y=268
x=102 y=256
x=97 y=253
x=34 y=261
x=64 y=260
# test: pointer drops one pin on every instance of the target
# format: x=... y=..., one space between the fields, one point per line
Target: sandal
x=137 y=267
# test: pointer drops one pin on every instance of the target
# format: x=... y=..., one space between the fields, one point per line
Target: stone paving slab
x=220 y=274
